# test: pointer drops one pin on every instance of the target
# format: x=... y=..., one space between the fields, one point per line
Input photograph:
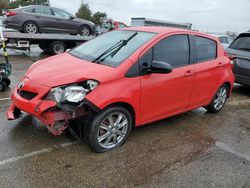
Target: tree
x=4 y=4
x=232 y=34
x=84 y=12
x=18 y=3
x=98 y=16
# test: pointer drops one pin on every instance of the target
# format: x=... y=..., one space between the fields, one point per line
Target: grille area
x=27 y=95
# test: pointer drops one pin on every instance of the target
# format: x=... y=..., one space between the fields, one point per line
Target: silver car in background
x=225 y=40
x=44 y=19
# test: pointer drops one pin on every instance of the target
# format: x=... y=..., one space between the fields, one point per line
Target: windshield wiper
x=114 y=49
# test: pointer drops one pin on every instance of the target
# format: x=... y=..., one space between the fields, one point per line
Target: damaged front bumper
x=55 y=117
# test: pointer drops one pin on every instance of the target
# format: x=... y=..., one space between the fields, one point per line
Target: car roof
x=165 y=30
x=156 y=29
x=30 y=6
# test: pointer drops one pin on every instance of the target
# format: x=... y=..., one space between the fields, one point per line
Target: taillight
x=8 y=14
x=232 y=59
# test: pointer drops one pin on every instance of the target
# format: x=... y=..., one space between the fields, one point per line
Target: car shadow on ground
x=241 y=90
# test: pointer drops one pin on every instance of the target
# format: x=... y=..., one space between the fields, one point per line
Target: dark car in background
x=44 y=19
x=239 y=52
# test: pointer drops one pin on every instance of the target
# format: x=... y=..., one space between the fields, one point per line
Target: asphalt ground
x=194 y=149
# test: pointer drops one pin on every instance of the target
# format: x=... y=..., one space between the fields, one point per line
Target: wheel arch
x=128 y=107
x=229 y=85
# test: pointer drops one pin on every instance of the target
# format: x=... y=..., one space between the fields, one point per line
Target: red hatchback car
x=125 y=78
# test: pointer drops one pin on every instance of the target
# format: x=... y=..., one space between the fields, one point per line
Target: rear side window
x=241 y=43
x=223 y=40
x=43 y=10
x=29 y=10
x=206 y=49
x=173 y=50
x=230 y=40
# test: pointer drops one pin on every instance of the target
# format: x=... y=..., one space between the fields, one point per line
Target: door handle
x=189 y=73
x=220 y=64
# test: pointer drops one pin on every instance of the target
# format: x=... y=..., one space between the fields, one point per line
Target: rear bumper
x=11 y=25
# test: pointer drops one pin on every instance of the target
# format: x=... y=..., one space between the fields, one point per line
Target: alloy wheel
x=85 y=31
x=112 y=130
x=31 y=28
x=220 y=98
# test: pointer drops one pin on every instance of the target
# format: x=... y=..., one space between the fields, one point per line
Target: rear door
x=43 y=16
x=208 y=70
x=166 y=94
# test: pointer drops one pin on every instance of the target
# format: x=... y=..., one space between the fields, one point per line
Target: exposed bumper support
x=55 y=118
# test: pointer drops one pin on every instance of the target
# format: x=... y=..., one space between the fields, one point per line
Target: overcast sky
x=205 y=15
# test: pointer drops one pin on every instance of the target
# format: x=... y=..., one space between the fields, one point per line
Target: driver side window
x=173 y=50
x=61 y=13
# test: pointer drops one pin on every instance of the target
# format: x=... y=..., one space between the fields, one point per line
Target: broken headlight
x=72 y=93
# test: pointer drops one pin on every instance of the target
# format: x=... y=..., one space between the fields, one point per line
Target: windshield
x=96 y=47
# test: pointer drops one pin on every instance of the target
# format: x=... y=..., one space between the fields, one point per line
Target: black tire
x=94 y=129
x=30 y=27
x=213 y=107
x=44 y=47
x=6 y=81
x=85 y=30
x=3 y=86
x=57 y=47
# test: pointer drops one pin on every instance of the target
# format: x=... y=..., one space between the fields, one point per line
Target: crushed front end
x=53 y=107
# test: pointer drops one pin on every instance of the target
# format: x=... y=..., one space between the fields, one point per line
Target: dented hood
x=65 y=69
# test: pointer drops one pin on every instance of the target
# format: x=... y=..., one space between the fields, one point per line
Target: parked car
x=125 y=78
x=225 y=40
x=239 y=52
x=110 y=25
x=43 y=19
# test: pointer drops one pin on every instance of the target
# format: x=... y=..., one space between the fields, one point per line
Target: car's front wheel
x=85 y=30
x=109 y=129
x=218 y=100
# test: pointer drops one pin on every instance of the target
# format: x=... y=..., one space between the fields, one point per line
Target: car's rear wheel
x=3 y=86
x=109 y=129
x=218 y=100
x=6 y=81
x=30 y=27
x=85 y=30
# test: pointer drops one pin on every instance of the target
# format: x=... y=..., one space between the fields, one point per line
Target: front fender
x=124 y=90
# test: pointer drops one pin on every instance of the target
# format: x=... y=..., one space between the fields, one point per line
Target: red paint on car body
x=151 y=97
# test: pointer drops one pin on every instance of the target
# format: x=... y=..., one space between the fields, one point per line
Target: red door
x=209 y=71
x=166 y=94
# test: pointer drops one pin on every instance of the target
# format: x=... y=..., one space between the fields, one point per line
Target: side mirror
x=71 y=17
x=160 y=67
